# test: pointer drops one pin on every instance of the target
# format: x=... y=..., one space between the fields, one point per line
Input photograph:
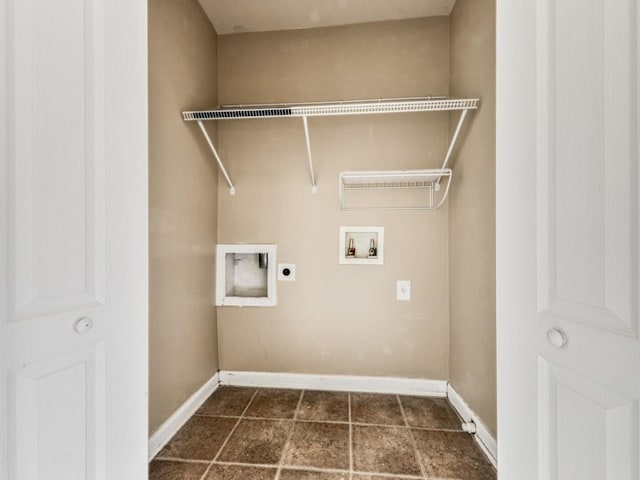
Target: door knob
x=556 y=338
x=83 y=324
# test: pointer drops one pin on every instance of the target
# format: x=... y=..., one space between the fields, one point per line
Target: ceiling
x=235 y=16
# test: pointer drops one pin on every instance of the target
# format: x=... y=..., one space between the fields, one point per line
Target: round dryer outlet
x=286 y=272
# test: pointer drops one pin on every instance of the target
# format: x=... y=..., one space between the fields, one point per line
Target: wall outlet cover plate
x=287 y=272
x=404 y=290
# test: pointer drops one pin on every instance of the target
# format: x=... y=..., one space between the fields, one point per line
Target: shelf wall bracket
x=452 y=145
x=314 y=188
x=232 y=189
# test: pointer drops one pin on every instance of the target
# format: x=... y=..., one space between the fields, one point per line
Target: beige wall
x=183 y=206
x=336 y=319
x=472 y=212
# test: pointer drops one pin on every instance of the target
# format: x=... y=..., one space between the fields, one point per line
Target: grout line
x=270 y=466
x=389 y=425
x=206 y=472
x=286 y=444
x=350 y=439
x=308 y=468
x=451 y=430
x=338 y=422
x=404 y=415
x=177 y=459
x=253 y=397
x=289 y=467
x=413 y=439
x=247 y=417
x=295 y=414
x=298 y=468
x=226 y=440
x=391 y=475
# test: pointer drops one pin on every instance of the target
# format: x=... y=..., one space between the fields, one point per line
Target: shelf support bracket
x=314 y=188
x=232 y=189
x=452 y=145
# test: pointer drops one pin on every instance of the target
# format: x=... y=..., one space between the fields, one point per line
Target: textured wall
x=182 y=206
x=472 y=212
x=336 y=319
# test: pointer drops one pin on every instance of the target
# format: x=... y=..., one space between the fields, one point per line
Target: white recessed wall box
x=361 y=245
x=246 y=275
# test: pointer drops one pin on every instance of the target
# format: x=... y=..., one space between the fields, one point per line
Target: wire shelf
x=426 y=104
x=430 y=180
x=352 y=181
x=394 y=177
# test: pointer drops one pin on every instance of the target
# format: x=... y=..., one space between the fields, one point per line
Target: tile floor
x=271 y=434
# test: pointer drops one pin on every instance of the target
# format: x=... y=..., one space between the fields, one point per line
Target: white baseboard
x=168 y=429
x=483 y=437
x=355 y=383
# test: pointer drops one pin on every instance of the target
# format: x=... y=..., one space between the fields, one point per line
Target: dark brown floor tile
x=384 y=450
x=227 y=401
x=310 y=475
x=319 y=445
x=452 y=455
x=236 y=472
x=170 y=470
x=430 y=412
x=324 y=406
x=199 y=439
x=376 y=408
x=257 y=441
x=274 y=403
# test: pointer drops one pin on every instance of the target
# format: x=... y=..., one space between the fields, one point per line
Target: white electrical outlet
x=404 y=290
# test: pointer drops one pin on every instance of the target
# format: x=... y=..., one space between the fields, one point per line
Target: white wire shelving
x=429 y=180
x=359 y=107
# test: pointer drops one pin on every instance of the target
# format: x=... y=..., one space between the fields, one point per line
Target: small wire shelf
x=430 y=180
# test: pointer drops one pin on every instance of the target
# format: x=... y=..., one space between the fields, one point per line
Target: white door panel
x=65 y=436
x=57 y=185
x=23 y=349
x=55 y=255
x=567 y=239
x=72 y=203
x=587 y=162
x=578 y=416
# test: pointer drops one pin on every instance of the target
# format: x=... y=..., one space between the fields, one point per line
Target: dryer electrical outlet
x=286 y=272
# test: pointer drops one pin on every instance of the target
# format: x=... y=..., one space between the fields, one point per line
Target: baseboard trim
x=483 y=437
x=168 y=429
x=352 y=383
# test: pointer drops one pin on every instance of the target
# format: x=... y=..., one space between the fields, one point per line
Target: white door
x=73 y=239
x=568 y=239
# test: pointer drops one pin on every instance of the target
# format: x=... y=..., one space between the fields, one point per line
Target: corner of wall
x=472 y=212
x=183 y=207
